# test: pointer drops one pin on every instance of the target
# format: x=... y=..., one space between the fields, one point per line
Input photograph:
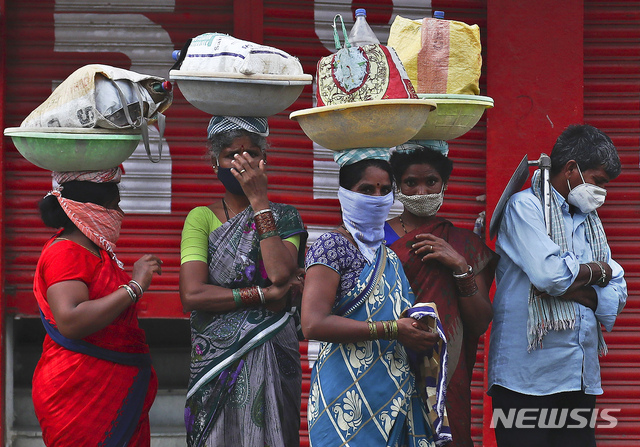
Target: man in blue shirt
x=553 y=294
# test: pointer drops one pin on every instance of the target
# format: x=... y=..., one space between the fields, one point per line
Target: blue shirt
x=568 y=359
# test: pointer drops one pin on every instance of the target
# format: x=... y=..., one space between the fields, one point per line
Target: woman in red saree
x=449 y=266
x=94 y=384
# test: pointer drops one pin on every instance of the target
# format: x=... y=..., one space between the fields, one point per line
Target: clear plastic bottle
x=361 y=33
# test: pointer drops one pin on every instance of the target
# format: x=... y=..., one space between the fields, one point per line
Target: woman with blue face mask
x=240 y=259
x=363 y=389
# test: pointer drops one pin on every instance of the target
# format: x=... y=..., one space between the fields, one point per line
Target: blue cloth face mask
x=230 y=182
x=364 y=217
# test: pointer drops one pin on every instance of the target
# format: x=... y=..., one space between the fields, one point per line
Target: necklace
x=78 y=243
x=227 y=208
x=402 y=223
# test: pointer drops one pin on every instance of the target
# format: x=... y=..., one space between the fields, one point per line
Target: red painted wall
x=2 y=295
x=535 y=76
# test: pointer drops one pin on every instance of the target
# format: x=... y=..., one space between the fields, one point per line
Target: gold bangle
x=394 y=329
x=373 y=330
x=386 y=325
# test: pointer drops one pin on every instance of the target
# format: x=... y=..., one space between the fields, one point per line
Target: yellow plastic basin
x=455 y=115
x=382 y=123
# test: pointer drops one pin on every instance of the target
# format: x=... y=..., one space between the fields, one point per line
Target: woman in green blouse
x=240 y=259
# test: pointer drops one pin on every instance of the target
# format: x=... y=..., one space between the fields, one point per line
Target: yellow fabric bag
x=440 y=56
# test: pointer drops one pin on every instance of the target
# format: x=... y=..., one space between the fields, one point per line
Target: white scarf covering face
x=364 y=217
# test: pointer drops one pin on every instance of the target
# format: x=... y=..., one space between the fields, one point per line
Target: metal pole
x=544 y=163
x=545 y=167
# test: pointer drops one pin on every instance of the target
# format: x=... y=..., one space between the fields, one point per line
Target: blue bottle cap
x=175 y=55
x=361 y=12
x=438 y=14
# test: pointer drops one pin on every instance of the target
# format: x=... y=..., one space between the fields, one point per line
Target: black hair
x=401 y=160
x=101 y=194
x=589 y=147
x=353 y=173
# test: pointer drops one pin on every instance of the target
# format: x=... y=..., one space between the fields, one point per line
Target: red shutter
x=42 y=49
x=612 y=103
x=45 y=43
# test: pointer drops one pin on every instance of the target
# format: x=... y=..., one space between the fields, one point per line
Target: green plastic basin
x=68 y=149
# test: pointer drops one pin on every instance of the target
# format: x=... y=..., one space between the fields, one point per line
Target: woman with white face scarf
x=363 y=391
x=446 y=265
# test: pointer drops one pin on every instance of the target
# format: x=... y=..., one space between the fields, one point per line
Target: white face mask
x=422 y=205
x=364 y=218
x=587 y=197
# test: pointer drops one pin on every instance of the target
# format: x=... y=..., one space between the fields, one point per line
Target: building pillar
x=535 y=76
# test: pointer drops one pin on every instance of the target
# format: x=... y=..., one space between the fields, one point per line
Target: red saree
x=78 y=397
x=433 y=282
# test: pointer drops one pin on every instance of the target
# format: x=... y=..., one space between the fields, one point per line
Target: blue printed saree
x=364 y=394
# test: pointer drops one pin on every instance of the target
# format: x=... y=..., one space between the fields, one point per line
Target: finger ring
x=430 y=247
x=242 y=171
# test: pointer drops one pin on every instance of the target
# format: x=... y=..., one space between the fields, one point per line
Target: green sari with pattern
x=244 y=387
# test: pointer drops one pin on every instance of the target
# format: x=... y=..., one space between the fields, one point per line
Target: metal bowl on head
x=381 y=123
x=236 y=94
x=455 y=115
x=74 y=149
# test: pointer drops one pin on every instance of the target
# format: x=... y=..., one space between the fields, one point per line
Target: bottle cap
x=361 y=12
x=175 y=55
x=438 y=14
x=162 y=87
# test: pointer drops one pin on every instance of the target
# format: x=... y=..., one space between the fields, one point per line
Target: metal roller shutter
x=611 y=103
x=46 y=40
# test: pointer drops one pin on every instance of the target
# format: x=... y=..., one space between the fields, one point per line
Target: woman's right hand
x=276 y=296
x=415 y=335
x=144 y=268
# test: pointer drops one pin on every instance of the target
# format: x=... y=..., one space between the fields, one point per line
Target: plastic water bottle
x=361 y=33
x=162 y=87
x=438 y=14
